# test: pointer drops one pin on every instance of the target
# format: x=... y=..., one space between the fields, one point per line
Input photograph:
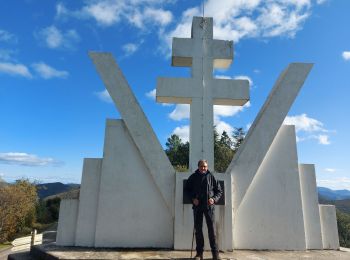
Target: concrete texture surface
x=131 y=211
x=311 y=213
x=261 y=134
x=329 y=228
x=145 y=139
x=270 y=215
x=88 y=202
x=67 y=222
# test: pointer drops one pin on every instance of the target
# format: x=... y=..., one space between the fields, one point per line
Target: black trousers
x=198 y=224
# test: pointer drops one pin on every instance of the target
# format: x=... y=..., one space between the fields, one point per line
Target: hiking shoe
x=198 y=257
x=216 y=256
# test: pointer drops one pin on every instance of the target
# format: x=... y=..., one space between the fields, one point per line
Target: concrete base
x=53 y=252
x=270 y=215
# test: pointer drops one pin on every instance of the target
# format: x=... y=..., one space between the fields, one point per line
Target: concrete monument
x=271 y=199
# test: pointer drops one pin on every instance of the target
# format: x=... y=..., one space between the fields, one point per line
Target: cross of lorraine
x=202 y=91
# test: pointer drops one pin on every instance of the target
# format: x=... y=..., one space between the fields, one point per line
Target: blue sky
x=54 y=105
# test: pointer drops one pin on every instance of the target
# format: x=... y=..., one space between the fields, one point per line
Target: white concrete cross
x=202 y=91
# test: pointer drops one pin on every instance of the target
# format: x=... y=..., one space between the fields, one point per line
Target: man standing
x=205 y=191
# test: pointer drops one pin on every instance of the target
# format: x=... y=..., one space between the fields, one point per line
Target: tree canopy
x=224 y=150
x=17 y=208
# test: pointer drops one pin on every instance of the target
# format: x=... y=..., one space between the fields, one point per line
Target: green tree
x=223 y=152
x=238 y=137
x=178 y=152
x=343 y=221
x=17 y=208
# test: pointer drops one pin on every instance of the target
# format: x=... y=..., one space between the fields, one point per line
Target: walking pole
x=194 y=223
x=192 y=240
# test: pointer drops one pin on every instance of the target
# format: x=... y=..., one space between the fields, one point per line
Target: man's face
x=203 y=167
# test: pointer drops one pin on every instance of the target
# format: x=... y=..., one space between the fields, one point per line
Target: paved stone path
x=55 y=252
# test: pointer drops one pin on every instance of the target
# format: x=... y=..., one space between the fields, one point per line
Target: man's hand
x=195 y=202
x=211 y=201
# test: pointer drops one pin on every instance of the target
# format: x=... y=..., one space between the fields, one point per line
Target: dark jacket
x=203 y=186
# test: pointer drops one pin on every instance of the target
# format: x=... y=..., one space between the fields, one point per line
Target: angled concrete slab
x=270 y=216
x=261 y=134
x=131 y=212
x=157 y=162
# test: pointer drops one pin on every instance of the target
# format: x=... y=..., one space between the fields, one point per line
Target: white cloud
x=304 y=123
x=181 y=111
x=61 y=11
x=346 y=55
x=277 y=19
x=235 y=20
x=183 y=132
x=223 y=126
x=25 y=159
x=236 y=77
x=308 y=128
x=159 y=16
x=6 y=54
x=15 y=69
x=130 y=48
x=53 y=38
x=151 y=94
x=323 y=139
x=5 y=36
x=330 y=170
x=104 y=96
x=105 y=12
x=47 y=72
x=225 y=111
x=140 y=14
x=335 y=184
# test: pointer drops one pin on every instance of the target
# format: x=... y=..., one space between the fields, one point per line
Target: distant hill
x=329 y=194
x=48 y=189
x=342 y=205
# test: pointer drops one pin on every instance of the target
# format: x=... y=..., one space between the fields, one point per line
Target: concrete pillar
x=309 y=197
x=329 y=227
x=67 y=222
x=88 y=202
